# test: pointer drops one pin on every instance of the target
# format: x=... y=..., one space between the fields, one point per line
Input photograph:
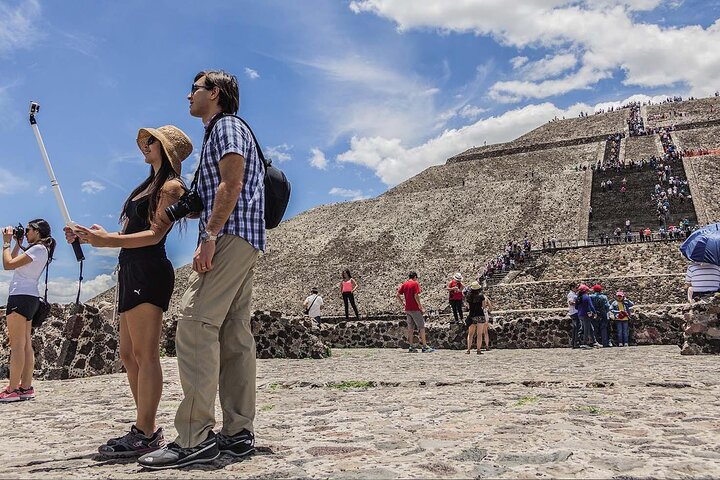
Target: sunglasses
x=196 y=87
x=150 y=141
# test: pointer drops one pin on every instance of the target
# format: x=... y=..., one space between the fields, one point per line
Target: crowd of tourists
x=594 y=317
x=513 y=255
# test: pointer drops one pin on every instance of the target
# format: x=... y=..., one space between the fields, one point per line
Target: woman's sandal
x=479 y=352
x=468 y=351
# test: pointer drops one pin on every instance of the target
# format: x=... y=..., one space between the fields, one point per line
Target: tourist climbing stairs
x=507 y=275
x=611 y=208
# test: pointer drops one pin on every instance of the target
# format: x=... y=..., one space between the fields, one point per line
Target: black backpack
x=277 y=186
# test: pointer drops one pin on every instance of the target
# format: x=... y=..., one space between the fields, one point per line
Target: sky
x=348 y=97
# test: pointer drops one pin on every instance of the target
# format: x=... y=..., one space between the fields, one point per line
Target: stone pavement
x=621 y=412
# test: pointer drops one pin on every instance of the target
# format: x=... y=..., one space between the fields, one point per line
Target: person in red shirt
x=410 y=290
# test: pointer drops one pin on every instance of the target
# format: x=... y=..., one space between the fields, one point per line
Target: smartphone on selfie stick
x=34 y=109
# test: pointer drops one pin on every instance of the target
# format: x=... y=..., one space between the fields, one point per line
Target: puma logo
x=137 y=291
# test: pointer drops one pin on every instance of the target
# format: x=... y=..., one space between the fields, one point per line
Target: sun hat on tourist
x=475 y=286
x=457 y=277
x=597 y=288
x=620 y=293
x=583 y=288
x=175 y=143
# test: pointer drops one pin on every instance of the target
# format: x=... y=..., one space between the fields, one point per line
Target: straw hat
x=175 y=143
x=475 y=286
x=457 y=277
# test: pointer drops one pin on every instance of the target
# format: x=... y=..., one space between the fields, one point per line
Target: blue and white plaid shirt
x=247 y=219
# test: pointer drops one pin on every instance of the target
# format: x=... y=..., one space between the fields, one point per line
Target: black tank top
x=136 y=214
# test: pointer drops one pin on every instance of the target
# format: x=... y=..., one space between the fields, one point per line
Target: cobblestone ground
x=621 y=412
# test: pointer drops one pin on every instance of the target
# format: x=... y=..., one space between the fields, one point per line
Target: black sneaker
x=133 y=444
x=238 y=445
x=174 y=456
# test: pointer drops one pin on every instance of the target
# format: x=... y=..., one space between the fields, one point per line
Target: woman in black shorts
x=145 y=281
x=23 y=302
x=475 y=320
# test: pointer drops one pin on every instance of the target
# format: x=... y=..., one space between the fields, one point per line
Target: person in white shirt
x=574 y=319
x=23 y=302
x=312 y=305
x=702 y=280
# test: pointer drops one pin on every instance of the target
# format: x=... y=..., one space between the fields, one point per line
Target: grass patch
x=526 y=400
x=592 y=409
x=351 y=384
x=267 y=408
x=274 y=386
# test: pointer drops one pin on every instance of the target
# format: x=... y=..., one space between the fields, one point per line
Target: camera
x=34 y=108
x=190 y=202
x=19 y=232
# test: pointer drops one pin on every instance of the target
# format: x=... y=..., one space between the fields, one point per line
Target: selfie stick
x=35 y=108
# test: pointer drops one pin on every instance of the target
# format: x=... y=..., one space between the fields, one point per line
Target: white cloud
x=42 y=189
x=281 y=153
x=604 y=33
x=18 y=25
x=471 y=112
x=518 y=62
x=92 y=187
x=347 y=193
x=547 y=67
x=190 y=173
x=317 y=159
x=251 y=74
x=363 y=96
x=393 y=162
x=105 y=252
x=10 y=183
x=63 y=290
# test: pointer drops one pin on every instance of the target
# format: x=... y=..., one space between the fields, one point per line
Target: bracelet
x=6 y=245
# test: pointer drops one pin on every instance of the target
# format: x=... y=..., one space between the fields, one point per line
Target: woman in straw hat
x=476 y=319
x=145 y=281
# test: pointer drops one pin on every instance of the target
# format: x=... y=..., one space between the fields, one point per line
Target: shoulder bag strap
x=313 y=302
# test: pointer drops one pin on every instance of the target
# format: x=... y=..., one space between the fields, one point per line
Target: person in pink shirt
x=347 y=288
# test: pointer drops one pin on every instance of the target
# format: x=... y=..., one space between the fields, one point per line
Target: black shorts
x=25 y=305
x=145 y=280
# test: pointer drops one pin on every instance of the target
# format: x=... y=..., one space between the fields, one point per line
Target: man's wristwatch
x=207 y=237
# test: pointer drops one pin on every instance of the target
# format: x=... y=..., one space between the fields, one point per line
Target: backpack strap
x=206 y=137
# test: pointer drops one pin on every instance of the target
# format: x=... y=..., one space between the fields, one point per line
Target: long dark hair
x=43 y=228
x=347 y=272
x=154 y=182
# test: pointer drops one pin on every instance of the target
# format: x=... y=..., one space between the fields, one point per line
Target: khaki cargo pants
x=215 y=345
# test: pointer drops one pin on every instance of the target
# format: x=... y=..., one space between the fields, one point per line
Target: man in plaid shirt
x=214 y=341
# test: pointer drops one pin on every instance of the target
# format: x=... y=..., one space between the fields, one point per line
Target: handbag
x=44 y=307
x=307 y=310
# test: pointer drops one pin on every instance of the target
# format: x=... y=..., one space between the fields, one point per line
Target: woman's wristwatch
x=6 y=244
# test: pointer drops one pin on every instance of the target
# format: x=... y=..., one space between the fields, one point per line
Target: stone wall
x=706 y=171
x=647 y=289
x=689 y=111
x=74 y=342
x=701 y=138
x=652 y=258
x=652 y=325
x=702 y=328
x=77 y=342
x=643 y=147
